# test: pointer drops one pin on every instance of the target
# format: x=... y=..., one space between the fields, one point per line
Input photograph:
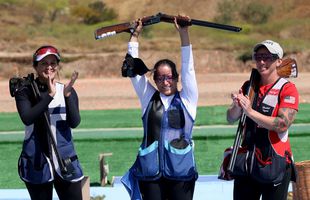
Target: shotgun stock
x=288 y=68
x=160 y=17
x=128 y=27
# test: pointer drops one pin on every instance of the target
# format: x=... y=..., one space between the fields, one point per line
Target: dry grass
x=215 y=51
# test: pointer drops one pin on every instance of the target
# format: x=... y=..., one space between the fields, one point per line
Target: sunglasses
x=161 y=79
x=265 y=57
x=47 y=64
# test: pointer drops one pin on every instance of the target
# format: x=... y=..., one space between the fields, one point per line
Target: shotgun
x=154 y=19
x=251 y=92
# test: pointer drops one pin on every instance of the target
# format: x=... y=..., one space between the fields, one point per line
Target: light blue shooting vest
x=170 y=155
x=34 y=166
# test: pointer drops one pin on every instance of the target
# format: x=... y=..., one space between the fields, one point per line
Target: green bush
x=39 y=15
x=226 y=12
x=94 y=13
x=9 y=2
x=256 y=13
x=245 y=56
x=251 y=12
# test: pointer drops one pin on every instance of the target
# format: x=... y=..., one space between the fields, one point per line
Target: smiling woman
x=168 y=117
x=166 y=77
x=266 y=120
x=45 y=62
x=48 y=109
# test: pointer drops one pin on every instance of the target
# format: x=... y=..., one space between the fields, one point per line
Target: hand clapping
x=69 y=85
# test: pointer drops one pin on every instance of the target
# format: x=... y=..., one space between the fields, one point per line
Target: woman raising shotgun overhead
x=165 y=166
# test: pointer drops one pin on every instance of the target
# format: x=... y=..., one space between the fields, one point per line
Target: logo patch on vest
x=266 y=109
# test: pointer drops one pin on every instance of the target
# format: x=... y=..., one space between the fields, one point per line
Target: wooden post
x=104 y=168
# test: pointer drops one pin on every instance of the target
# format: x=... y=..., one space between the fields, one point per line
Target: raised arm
x=183 y=32
x=143 y=88
x=189 y=92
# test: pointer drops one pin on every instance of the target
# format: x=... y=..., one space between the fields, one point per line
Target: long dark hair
x=169 y=63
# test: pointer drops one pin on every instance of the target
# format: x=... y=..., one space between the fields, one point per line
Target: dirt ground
x=114 y=93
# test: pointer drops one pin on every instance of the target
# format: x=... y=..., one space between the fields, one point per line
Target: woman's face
x=47 y=67
x=266 y=63
x=165 y=82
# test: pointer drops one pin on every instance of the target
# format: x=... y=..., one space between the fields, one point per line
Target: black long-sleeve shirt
x=31 y=110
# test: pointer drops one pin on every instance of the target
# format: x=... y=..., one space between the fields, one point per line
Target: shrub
x=245 y=56
x=226 y=11
x=95 y=12
x=255 y=12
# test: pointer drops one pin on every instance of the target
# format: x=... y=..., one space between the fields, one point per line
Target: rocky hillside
x=214 y=50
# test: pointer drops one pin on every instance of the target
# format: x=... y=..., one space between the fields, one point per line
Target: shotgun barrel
x=183 y=22
x=129 y=27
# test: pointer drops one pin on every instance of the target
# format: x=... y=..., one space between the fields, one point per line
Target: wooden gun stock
x=288 y=68
x=124 y=27
x=113 y=30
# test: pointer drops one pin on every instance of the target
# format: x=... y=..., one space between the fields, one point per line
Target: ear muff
x=133 y=66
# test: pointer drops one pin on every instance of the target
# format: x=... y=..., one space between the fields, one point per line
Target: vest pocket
x=34 y=173
x=147 y=163
x=271 y=170
x=179 y=163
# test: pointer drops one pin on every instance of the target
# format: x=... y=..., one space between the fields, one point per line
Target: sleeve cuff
x=186 y=49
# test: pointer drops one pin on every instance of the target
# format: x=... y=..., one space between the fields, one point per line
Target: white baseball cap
x=273 y=47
